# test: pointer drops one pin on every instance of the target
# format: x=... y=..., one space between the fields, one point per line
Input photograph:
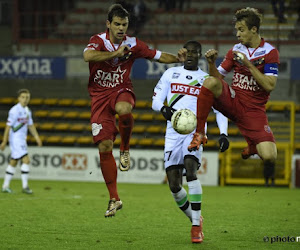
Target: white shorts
x=18 y=149
x=176 y=148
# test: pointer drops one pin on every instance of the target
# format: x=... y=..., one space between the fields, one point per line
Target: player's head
x=193 y=55
x=23 y=97
x=247 y=24
x=117 y=22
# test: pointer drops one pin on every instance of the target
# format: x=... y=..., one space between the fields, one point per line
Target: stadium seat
x=68 y=139
x=2 y=125
x=159 y=142
x=62 y=127
x=41 y=113
x=133 y=141
x=159 y=117
x=213 y=131
x=50 y=101
x=211 y=118
x=85 y=115
x=81 y=102
x=138 y=129
x=146 y=117
x=117 y=141
x=77 y=127
x=36 y=101
x=154 y=129
x=211 y=143
x=71 y=115
x=8 y=100
x=65 y=102
x=46 y=126
x=146 y=142
x=233 y=131
x=85 y=140
x=54 y=139
x=141 y=104
x=56 y=114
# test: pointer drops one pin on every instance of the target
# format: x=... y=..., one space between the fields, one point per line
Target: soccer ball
x=184 y=121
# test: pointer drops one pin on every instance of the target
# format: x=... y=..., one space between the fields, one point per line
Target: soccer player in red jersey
x=255 y=63
x=111 y=55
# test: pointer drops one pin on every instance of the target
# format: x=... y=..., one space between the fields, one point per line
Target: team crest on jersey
x=267 y=129
x=189 y=77
x=175 y=75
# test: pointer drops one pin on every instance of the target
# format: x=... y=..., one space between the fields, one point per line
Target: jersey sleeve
x=30 y=120
x=143 y=51
x=95 y=43
x=160 y=92
x=12 y=118
x=227 y=64
x=222 y=122
x=271 y=63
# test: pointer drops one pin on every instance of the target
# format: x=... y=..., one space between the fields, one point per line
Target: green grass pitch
x=70 y=215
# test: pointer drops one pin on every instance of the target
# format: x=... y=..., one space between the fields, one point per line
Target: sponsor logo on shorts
x=96 y=128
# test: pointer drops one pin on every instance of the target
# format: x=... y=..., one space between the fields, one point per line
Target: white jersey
x=181 y=87
x=19 y=118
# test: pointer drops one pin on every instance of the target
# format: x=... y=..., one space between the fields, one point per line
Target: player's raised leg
x=124 y=105
x=268 y=152
x=212 y=87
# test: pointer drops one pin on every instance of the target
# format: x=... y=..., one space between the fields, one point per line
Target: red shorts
x=103 y=114
x=252 y=122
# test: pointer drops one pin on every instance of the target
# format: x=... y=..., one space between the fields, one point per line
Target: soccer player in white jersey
x=181 y=86
x=18 y=122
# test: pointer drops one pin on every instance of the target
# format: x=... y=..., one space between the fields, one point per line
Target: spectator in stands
x=18 y=122
x=255 y=63
x=279 y=10
x=177 y=158
x=111 y=55
x=140 y=14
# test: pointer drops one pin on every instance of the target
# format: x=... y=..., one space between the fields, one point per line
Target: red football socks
x=109 y=172
x=205 y=101
x=125 y=129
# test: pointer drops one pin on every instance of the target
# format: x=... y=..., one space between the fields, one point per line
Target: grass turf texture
x=70 y=215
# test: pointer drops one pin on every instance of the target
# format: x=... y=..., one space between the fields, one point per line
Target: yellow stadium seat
x=62 y=126
x=146 y=142
x=133 y=141
x=138 y=129
x=65 y=102
x=50 y=101
x=159 y=142
x=2 y=125
x=81 y=102
x=77 y=127
x=297 y=108
x=154 y=129
x=146 y=117
x=214 y=131
x=211 y=143
x=46 y=126
x=135 y=116
x=36 y=101
x=85 y=140
x=68 y=139
x=233 y=131
x=159 y=117
x=117 y=141
x=211 y=118
x=56 y=114
x=41 y=113
x=53 y=139
x=88 y=127
x=8 y=100
x=141 y=104
x=85 y=115
x=71 y=114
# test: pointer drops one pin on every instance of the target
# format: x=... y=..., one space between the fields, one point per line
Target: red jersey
x=114 y=74
x=266 y=59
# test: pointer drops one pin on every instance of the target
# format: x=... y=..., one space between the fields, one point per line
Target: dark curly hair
x=117 y=10
x=251 y=16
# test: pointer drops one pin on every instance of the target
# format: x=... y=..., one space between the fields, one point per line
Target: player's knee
x=174 y=186
x=191 y=176
x=105 y=146
x=123 y=108
x=211 y=82
x=269 y=157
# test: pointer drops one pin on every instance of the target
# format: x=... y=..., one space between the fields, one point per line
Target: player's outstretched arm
x=35 y=134
x=5 y=138
x=211 y=57
x=91 y=55
x=168 y=58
